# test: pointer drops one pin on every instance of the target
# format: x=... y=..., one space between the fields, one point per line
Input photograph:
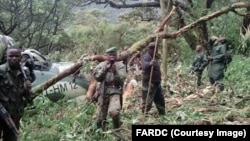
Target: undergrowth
x=67 y=120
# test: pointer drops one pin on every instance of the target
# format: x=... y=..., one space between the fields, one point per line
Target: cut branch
x=164 y=22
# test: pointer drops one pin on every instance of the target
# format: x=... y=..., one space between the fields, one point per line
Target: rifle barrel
x=8 y=120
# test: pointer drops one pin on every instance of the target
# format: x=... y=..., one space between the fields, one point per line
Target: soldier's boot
x=198 y=83
x=101 y=124
x=221 y=87
x=98 y=124
x=162 y=113
x=116 y=124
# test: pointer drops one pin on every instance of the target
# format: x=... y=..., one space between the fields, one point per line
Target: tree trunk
x=165 y=8
x=189 y=36
x=246 y=22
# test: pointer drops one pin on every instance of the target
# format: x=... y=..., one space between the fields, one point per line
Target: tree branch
x=203 y=19
x=138 y=45
x=164 y=22
x=148 y=4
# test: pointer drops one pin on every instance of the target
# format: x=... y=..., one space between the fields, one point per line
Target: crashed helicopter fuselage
x=70 y=86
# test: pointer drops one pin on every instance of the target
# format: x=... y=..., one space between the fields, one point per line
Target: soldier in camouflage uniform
x=217 y=63
x=199 y=63
x=155 y=90
x=14 y=91
x=112 y=75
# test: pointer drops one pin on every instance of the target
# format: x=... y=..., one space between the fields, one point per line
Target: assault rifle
x=8 y=120
x=23 y=72
x=24 y=75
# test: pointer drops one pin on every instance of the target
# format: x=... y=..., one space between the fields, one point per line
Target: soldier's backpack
x=5 y=42
x=228 y=56
x=228 y=59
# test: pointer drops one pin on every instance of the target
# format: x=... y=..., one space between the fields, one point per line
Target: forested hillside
x=65 y=30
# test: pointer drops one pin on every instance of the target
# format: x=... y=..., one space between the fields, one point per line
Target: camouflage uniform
x=13 y=96
x=199 y=63
x=109 y=102
x=155 y=94
x=217 y=65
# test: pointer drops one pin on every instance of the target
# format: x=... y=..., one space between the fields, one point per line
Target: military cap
x=111 y=50
x=151 y=45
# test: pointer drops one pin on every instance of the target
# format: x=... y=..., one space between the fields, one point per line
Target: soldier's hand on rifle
x=95 y=96
x=27 y=85
x=111 y=67
x=152 y=62
x=30 y=64
x=210 y=58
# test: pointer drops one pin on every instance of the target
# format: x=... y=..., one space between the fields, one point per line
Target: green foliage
x=91 y=33
x=67 y=120
x=63 y=120
x=227 y=25
x=238 y=80
x=230 y=31
x=135 y=33
x=139 y=14
x=34 y=23
x=244 y=47
x=94 y=33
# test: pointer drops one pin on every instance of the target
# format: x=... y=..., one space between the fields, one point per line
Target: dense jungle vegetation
x=57 y=27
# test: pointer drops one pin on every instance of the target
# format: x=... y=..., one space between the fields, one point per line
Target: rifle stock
x=8 y=120
x=24 y=74
x=101 y=92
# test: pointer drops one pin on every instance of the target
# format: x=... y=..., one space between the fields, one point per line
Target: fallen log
x=39 y=89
